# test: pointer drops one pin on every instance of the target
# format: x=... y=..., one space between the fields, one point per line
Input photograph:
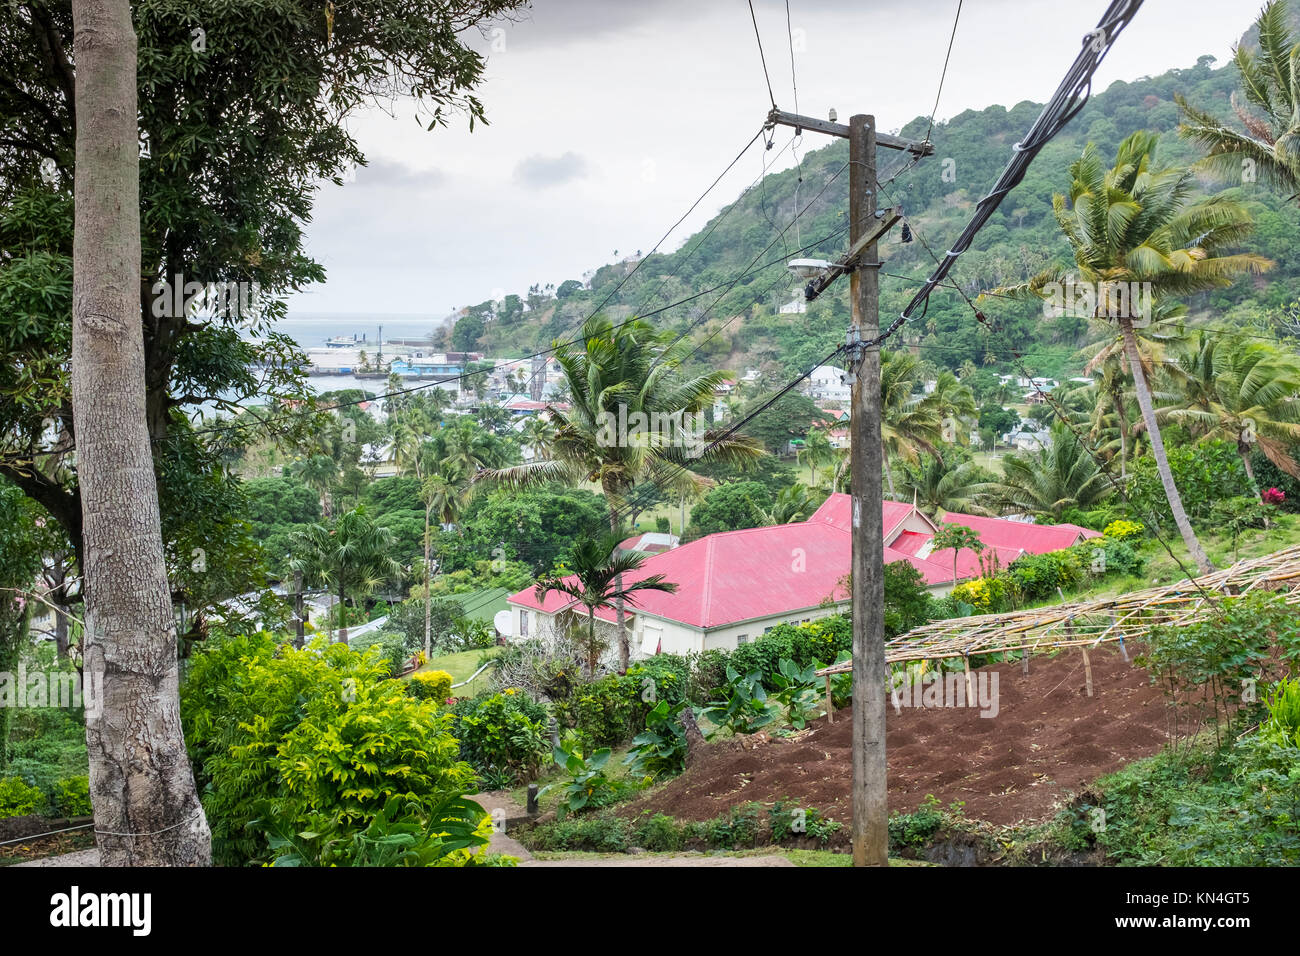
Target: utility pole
x=870 y=834
x=870 y=812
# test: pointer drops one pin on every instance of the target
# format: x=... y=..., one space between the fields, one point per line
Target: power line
x=290 y=416
x=1070 y=97
x=789 y=31
x=1063 y=416
x=762 y=58
x=671 y=229
x=942 y=76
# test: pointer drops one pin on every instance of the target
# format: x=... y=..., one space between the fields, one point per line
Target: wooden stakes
x=1087 y=671
x=1120 y=619
x=830 y=702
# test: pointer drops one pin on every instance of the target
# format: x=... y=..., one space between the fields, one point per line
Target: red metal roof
x=1021 y=535
x=767 y=572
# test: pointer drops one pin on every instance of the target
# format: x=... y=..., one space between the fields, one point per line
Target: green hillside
x=744 y=327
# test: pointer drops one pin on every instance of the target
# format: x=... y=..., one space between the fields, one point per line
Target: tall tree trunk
x=1158 y=450
x=1243 y=450
x=15 y=619
x=624 y=645
x=147 y=811
x=428 y=598
x=341 y=635
x=1123 y=439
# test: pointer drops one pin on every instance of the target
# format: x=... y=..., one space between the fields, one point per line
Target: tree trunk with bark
x=624 y=645
x=147 y=811
x=1244 y=449
x=1158 y=450
x=428 y=598
x=341 y=635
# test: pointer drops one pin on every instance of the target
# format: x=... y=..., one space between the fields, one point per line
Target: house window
x=742 y=639
x=523 y=623
x=766 y=630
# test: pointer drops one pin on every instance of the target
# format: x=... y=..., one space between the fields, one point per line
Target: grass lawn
x=461 y=665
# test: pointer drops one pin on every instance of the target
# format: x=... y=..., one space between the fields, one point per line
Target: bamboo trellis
x=1090 y=623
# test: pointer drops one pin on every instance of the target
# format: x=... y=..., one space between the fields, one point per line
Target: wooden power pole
x=870 y=814
x=870 y=835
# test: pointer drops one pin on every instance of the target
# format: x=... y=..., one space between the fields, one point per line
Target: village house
x=735 y=586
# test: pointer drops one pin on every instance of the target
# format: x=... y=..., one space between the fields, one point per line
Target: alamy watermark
x=54 y=688
x=624 y=429
x=945 y=689
x=176 y=297
x=1099 y=300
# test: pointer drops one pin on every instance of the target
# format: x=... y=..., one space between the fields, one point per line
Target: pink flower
x=1274 y=496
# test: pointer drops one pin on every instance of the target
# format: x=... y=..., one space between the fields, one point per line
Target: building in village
x=735 y=586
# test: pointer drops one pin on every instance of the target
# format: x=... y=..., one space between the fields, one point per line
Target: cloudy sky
x=608 y=119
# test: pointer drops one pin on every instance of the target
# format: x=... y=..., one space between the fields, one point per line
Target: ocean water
x=311 y=329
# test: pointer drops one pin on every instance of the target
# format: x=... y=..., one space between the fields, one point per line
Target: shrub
x=916 y=828
x=17 y=799
x=386 y=647
x=587 y=787
x=287 y=738
x=431 y=685
x=1037 y=576
x=1205 y=472
x=597 y=833
x=663 y=677
x=1208 y=662
x=401 y=834
x=72 y=796
x=660 y=833
x=659 y=750
x=742 y=707
x=1123 y=530
x=797 y=693
x=504 y=731
x=1283 y=724
x=986 y=595
x=607 y=711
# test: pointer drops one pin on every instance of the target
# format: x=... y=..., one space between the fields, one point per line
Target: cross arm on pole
x=886 y=220
x=782 y=118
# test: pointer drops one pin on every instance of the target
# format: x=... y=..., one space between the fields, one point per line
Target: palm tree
x=1243 y=391
x=1134 y=227
x=956 y=537
x=792 y=503
x=595 y=580
x=954 y=404
x=1107 y=358
x=816 y=451
x=936 y=485
x=410 y=424
x=1269 y=145
x=1045 y=482
x=536 y=434
x=353 y=557
x=612 y=374
x=319 y=473
x=908 y=424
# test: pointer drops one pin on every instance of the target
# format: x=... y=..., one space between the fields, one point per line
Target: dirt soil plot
x=1047 y=740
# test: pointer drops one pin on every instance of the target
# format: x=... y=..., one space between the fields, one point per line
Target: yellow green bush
x=431 y=685
x=1122 y=530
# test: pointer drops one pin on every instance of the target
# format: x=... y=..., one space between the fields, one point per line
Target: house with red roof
x=734 y=586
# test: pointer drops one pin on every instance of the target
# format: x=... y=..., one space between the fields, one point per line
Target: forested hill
x=740 y=326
